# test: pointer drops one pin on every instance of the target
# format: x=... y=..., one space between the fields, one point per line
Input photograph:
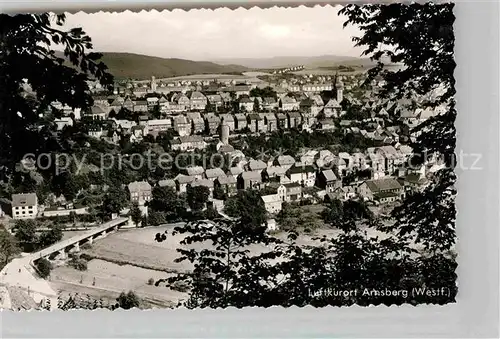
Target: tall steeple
x=153 y=84
x=340 y=91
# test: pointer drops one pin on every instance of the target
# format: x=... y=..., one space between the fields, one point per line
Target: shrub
x=127 y=300
x=179 y=286
x=44 y=267
x=86 y=257
x=78 y=263
x=86 y=246
x=151 y=281
x=156 y=218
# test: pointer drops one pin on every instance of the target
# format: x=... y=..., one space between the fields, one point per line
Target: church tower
x=340 y=91
x=153 y=84
x=224 y=137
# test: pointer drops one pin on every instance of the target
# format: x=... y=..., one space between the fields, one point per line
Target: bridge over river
x=21 y=272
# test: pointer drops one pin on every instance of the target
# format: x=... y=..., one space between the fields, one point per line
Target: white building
x=272 y=203
x=24 y=206
x=140 y=192
x=62 y=122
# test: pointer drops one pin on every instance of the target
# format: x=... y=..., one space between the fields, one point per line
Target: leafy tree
x=426 y=50
x=264 y=92
x=164 y=199
x=127 y=300
x=156 y=218
x=136 y=214
x=78 y=263
x=248 y=206
x=210 y=107
x=50 y=237
x=156 y=112
x=197 y=197
x=114 y=201
x=256 y=105
x=44 y=267
x=28 y=60
x=227 y=274
x=25 y=233
x=210 y=213
x=66 y=185
x=8 y=246
x=219 y=193
x=23 y=182
x=288 y=217
x=334 y=212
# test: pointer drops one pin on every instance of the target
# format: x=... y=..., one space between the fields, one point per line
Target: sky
x=221 y=33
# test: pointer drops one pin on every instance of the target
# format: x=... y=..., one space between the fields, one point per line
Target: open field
x=127 y=259
x=112 y=279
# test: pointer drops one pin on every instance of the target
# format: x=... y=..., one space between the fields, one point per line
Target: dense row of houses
x=316 y=175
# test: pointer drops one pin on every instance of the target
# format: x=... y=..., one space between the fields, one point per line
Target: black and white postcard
x=228 y=158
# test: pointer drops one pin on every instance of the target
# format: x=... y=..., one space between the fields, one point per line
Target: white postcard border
x=474 y=315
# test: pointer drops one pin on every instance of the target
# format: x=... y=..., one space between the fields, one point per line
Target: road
x=20 y=272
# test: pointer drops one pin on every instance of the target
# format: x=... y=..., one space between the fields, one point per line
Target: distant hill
x=307 y=61
x=141 y=67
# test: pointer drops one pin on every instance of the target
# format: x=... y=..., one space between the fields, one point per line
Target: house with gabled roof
x=167 y=183
x=140 y=192
x=140 y=91
x=140 y=106
x=250 y=180
x=152 y=101
x=328 y=181
x=302 y=174
x=227 y=183
x=97 y=113
x=228 y=119
x=384 y=190
x=256 y=165
x=288 y=104
x=214 y=173
x=181 y=125
x=246 y=104
x=197 y=101
x=163 y=102
x=182 y=101
x=197 y=122
x=212 y=123
x=275 y=174
x=215 y=100
x=182 y=181
x=309 y=108
x=117 y=104
x=294 y=120
x=128 y=104
x=255 y=123
x=196 y=172
x=318 y=100
x=24 y=206
x=290 y=192
x=285 y=161
x=189 y=143
x=272 y=203
x=282 y=121
x=326 y=124
x=270 y=122
x=235 y=171
x=240 y=121
x=269 y=103
x=332 y=109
